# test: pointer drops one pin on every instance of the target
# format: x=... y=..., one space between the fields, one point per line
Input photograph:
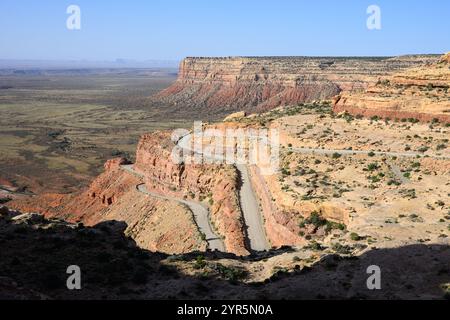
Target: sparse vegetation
x=336 y=155
x=354 y=236
x=232 y=274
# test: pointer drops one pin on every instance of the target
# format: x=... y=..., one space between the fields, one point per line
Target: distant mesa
x=221 y=86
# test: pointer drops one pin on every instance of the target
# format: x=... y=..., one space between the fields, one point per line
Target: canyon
x=358 y=183
x=214 y=186
x=219 y=86
x=180 y=207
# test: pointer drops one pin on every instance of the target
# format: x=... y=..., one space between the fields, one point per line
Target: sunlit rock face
x=256 y=84
x=421 y=93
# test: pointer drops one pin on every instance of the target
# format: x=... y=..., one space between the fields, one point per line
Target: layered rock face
x=215 y=185
x=257 y=84
x=154 y=224
x=281 y=217
x=420 y=93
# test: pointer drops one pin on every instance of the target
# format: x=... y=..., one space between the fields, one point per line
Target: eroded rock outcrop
x=221 y=85
x=215 y=185
x=154 y=224
x=420 y=93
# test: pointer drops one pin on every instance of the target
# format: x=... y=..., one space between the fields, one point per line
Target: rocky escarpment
x=255 y=84
x=420 y=93
x=214 y=185
x=154 y=224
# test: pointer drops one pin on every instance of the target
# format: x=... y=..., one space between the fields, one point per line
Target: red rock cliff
x=215 y=185
x=222 y=85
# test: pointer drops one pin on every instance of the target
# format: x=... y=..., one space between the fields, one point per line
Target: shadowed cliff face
x=217 y=86
x=36 y=253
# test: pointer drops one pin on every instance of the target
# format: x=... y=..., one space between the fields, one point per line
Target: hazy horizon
x=172 y=30
x=149 y=63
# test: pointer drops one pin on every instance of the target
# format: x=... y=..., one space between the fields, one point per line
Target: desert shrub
x=315 y=246
x=415 y=218
x=334 y=225
x=316 y=219
x=354 y=236
x=341 y=249
x=416 y=165
x=230 y=273
x=336 y=155
x=373 y=166
x=410 y=193
x=285 y=172
x=440 y=203
x=423 y=149
x=393 y=182
x=200 y=262
x=374 y=179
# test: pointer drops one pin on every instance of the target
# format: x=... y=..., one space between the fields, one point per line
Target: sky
x=173 y=29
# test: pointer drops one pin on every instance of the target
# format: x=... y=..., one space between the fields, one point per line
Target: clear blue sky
x=173 y=29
